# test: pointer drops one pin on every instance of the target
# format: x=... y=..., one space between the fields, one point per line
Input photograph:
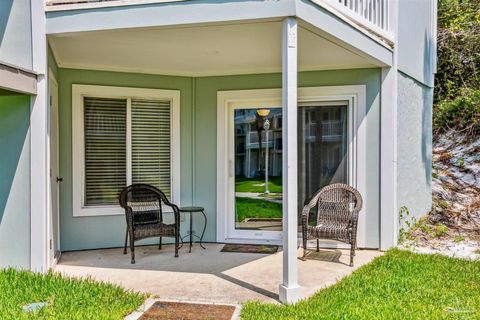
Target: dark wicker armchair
x=338 y=206
x=144 y=215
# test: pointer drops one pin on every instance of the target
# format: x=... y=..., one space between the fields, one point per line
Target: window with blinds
x=118 y=153
x=151 y=143
x=105 y=150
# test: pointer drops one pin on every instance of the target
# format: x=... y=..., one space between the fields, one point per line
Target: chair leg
x=352 y=254
x=126 y=241
x=160 y=244
x=132 y=249
x=304 y=247
x=318 y=245
x=304 y=238
x=176 y=245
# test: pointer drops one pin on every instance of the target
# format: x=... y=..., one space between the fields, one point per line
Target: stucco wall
x=416 y=39
x=198 y=144
x=15 y=181
x=16 y=33
x=414 y=175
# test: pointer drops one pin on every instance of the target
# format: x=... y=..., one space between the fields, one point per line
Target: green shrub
x=462 y=113
x=440 y=231
x=458 y=45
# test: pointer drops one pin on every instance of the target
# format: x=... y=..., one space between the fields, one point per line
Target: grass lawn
x=66 y=298
x=256 y=208
x=258 y=184
x=398 y=285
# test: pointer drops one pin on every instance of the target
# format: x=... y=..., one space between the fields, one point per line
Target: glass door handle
x=230 y=168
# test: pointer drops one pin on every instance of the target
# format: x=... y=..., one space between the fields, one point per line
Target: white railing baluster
x=372 y=14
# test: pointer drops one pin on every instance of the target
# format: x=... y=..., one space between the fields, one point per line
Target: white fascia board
x=18 y=80
x=65 y=5
x=331 y=27
x=165 y=14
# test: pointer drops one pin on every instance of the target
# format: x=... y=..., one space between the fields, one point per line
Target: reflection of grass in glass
x=257 y=185
x=256 y=208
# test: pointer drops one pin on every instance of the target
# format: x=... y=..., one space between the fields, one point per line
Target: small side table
x=190 y=234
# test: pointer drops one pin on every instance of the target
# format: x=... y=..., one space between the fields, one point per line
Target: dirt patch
x=453 y=226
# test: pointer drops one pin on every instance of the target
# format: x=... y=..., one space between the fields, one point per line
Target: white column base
x=289 y=294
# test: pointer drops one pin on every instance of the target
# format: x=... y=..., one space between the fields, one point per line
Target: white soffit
x=198 y=51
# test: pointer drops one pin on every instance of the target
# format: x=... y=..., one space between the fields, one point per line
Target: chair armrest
x=312 y=203
x=354 y=217
x=176 y=211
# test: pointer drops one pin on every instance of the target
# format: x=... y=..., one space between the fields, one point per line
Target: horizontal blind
x=151 y=159
x=105 y=127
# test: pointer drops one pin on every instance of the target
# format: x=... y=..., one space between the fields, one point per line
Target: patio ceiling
x=242 y=48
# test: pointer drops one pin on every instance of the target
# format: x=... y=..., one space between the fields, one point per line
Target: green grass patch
x=66 y=298
x=256 y=208
x=397 y=285
x=258 y=184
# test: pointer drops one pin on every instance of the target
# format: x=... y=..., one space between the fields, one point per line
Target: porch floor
x=208 y=275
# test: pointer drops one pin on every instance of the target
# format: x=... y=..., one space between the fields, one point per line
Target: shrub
x=458 y=46
x=462 y=113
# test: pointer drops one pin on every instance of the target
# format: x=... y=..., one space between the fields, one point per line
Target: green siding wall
x=15 y=181
x=109 y=231
x=198 y=144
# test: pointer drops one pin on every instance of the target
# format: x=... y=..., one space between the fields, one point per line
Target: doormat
x=323 y=255
x=187 y=311
x=250 y=248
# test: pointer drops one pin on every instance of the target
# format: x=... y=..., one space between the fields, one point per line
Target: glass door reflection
x=258 y=169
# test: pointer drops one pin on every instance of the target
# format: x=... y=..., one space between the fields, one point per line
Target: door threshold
x=253 y=241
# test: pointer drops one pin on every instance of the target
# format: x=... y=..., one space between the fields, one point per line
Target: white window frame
x=227 y=100
x=78 y=150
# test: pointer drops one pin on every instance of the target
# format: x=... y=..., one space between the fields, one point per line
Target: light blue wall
x=205 y=133
x=15 y=181
x=198 y=144
x=414 y=132
x=416 y=40
x=109 y=231
x=16 y=33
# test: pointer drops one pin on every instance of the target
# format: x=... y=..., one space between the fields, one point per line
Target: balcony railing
x=373 y=15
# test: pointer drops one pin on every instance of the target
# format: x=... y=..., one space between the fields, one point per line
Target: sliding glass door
x=257 y=153
x=258 y=169
x=322 y=147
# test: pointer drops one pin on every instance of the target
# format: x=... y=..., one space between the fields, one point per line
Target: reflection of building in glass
x=247 y=146
x=322 y=148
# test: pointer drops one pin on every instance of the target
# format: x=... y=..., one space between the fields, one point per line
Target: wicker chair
x=338 y=206
x=144 y=215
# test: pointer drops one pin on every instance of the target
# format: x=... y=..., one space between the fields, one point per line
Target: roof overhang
x=13 y=78
x=170 y=14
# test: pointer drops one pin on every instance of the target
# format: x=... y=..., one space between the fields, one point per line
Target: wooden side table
x=194 y=210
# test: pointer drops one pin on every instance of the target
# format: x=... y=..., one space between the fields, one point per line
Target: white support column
x=38 y=143
x=289 y=289
x=389 y=224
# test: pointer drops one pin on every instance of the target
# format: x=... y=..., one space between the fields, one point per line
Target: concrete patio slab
x=208 y=275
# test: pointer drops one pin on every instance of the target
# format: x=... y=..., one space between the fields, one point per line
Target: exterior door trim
x=356 y=95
